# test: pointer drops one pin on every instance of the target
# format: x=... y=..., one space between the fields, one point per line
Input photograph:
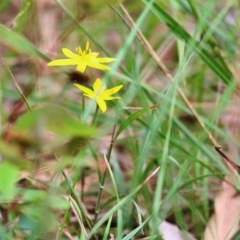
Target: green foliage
x=55 y=119
x=160 y=162
x=221 y=70
x=19 y=43
x=8 y=179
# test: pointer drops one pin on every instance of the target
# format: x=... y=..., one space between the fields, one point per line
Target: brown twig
x=167 y=73
x=231 y=162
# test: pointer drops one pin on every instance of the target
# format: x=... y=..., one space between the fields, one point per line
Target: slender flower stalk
x=83 y=59
x=99 y=93
x=95 y=115
x=83 y=103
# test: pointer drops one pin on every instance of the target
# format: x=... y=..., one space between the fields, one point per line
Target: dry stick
x=103 y=178
x=167 y=73
x=165 y=70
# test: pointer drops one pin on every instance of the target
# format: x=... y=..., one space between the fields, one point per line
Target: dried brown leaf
x=225 y=221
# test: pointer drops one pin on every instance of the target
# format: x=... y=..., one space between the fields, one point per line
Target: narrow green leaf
x=121 y=203
x=53 y=118
x=189 y=182
x=129 y=120
x=19 y=43
x=136 y=230
x=8 y=177
x=107 y=229
x=209 y=60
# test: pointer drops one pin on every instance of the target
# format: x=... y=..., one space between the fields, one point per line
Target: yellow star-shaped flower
x=82 y=59
x=99 y=93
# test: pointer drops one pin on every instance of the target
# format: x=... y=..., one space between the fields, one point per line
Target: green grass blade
x=19 y=43
x=79 y=216
x=184 y=185
x=107 y=229
x=121 y=203
x=129 y=120
x=216 y=66
x=133 y=233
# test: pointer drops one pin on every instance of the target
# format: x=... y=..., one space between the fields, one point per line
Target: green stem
x=211 y=40
x=97 y=209
x=63 y=224
x=83 y=103
x=16 y=84
x=95 y=115
x=74 y=196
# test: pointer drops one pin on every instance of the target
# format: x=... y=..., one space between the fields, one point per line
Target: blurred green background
x=178 y=62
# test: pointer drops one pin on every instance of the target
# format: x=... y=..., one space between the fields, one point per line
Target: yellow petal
x=93 y=55
x=63 y=62
x=104 y=60
x=87 y=45
x=98 y=65
x=81 y=67
x=89 y=93
x=97 y=85
x=106 y=98
x=69 y=53
x=111 y=91
x=102 y=104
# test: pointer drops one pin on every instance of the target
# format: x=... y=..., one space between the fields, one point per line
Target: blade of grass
x=20 y=43
x=74 y=196
x=211 y=40
x=119 y=211
x=16 y=84
x=136 y=230
x=102 y=181
x=169 y=76
x=78 y=215
x=221 y=175
x=139 y=215
x=163 y=159
x=133 y=117
x=128 y=121
x=217 y=67
x=120 y=204
x=196 y=142
x=106 y=232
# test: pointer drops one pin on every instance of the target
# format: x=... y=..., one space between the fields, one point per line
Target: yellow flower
x=82 y=59
x=99 y=93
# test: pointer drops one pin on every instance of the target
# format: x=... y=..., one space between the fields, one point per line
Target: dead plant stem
x=167 y=73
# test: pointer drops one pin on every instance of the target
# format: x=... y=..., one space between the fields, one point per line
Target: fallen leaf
x=225 y=220
x=170 y=231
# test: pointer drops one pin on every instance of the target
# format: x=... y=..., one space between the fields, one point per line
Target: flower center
x=84 y=55
x=99 y=91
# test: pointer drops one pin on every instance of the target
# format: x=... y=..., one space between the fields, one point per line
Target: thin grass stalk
x=167 y=73
x=97 y=209
x=74 y=196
